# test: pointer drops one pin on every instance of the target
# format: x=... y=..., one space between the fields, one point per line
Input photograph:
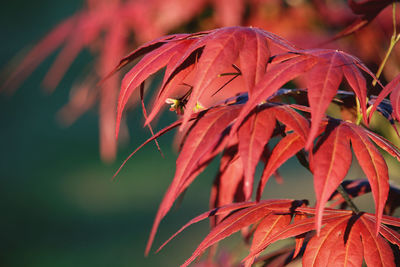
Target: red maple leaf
x=345 y=239
x=208 y=136
x=333 y=150
x=202 y=62
x=244 y=214
x=325 y=70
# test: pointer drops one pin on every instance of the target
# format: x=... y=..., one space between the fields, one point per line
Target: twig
x=347 y=198
x=393 y=41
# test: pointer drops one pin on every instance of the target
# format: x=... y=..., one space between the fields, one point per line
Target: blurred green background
x=58 y=204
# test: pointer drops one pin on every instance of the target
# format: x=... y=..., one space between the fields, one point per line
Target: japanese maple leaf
x=345 y=240
x=277 y=212
x=204 y=141
x=324 y=69
x=252 y=138
x=269 y=225
x=201 y=61
x=208 y=136
x=324 y=80
x=353 y=238
x=333 y=150
x=255 y=133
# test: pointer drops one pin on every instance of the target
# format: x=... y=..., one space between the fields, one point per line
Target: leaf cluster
x=237 y=88
x=227 y=85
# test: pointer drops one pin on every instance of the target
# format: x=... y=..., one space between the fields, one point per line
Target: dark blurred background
x=58 y=204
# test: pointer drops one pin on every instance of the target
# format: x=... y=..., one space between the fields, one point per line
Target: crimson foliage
x=227 y=86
